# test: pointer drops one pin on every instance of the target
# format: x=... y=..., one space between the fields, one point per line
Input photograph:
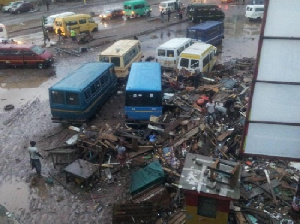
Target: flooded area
x=30 y=198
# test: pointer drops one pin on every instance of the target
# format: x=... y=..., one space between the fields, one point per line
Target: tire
x=18 y=12
x=41 y=65
x=9 y=107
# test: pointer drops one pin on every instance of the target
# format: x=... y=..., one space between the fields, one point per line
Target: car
x=227 y=1
x=7 y=8
x=22 y=7
x=112 y=14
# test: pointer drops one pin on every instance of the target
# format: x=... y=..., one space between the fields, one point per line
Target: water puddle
x=14 y=196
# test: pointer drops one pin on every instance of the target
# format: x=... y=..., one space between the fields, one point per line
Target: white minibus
x=171 y=5
x=254 y=12
x=50 y=19
x=168 y=53
x=199 y=55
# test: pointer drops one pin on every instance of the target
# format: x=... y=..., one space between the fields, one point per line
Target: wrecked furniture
x=62 y=156
x=81 y=171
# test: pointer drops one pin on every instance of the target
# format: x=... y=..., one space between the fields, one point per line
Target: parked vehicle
x=227 y=1
x=78 y=96
x=122 y=54
x=198 y=12
x=143 y=96
x=257 y=2
x=22 y=7
x=112 y=14
x=198 y=55
x=168 y=53
x=49 y=24
x=3 y=32
x=136 y=8
x=8 y=8
x=24 y=55
x=210 y=32
x=172 y=5
x=80 y=23
x=255 y=11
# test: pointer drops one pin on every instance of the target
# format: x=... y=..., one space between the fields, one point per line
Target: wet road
x=18 y=86
x=27 y=89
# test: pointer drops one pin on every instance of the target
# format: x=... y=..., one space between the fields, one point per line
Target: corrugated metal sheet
x=273 y=122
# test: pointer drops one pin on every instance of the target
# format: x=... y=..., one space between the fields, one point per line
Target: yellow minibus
x=198 y=55
x=80 y=23
x=122 y=54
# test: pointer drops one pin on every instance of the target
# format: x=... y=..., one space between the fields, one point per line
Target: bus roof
x=144 y=76
x=133 y=2
x=73 y=16
x=197 y=49
x=175 y=42
x=82 y=77
x=205 y=25
x=204 y=5
x=119 y=48
x=256 y=6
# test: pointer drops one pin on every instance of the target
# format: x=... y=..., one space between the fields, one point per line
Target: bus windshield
x=142 y=99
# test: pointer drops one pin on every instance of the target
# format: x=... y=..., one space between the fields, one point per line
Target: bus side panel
x=141 y=113
x=68 y=113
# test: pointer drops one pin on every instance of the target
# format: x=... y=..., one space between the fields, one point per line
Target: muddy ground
x=31 y=199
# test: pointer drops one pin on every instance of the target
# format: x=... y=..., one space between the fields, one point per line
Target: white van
x=3 y=32
x=50 y=19
x=171 y=4
x=198 y=55
x=255 y=11
x=168 y=53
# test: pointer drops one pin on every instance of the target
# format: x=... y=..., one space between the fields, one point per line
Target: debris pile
x=156 y=154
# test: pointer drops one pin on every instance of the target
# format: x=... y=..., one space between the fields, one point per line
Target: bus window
x=93 y=89
x=71 y=23
x=206 y=60
x=104 y=79
x=72 y=98
x=97 y=85
x=170 y=53
x=58 y=24
x=82 y=21
x=104 y=59
x=57 y=97
x=115 y=61
x=184 y=62
x=87 y=95
x=194 y=63
x=161 y=52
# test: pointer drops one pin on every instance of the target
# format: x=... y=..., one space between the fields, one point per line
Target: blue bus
x=210 y=32
x=76 y=98
x=143 y=96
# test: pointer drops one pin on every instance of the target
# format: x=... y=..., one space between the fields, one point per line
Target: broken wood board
x=141 y=150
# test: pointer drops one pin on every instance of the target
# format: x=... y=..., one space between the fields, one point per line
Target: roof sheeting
x=273 y=121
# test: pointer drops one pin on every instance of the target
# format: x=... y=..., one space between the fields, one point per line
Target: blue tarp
x=146 y=177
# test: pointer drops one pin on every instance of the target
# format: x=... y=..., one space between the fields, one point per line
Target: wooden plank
x=109 y=137
x=240 y=218
x=171 y=172
x=187 y=136
x=140 y=151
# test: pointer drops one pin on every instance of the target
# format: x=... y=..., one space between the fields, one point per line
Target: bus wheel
x=40 y=65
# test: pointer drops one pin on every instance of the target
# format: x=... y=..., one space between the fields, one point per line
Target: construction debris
x=261 y=191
